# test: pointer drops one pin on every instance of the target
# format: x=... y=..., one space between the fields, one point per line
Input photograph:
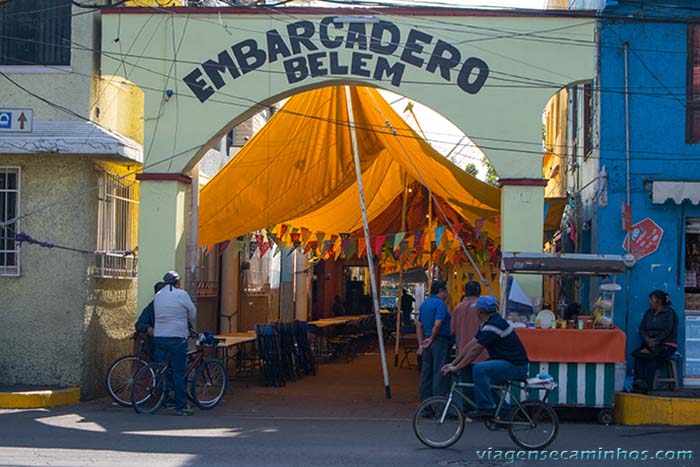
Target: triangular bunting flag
x=283 y=231
x=344 y=244
x=439 y=232
x=352 y=248
x=252 y=247
x=310 y=246
x=305 y=235
x=398 y=238
x=458 y=228
x=260 y=239
x=379 y=243
x=223 y=246
x=361 y=246
x=264 y=248
x=418 y=239
x=319 y=237
x=326 y=246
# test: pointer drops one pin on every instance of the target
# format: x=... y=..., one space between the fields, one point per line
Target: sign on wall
x=15 y=120
x=307 y=49
x=645 y=237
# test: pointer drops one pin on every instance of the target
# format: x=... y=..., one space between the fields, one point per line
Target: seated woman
x=658 y=332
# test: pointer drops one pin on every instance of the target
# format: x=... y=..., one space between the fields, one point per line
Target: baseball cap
x=487 y=303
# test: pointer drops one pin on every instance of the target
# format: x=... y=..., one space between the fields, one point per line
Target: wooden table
x=233 y=347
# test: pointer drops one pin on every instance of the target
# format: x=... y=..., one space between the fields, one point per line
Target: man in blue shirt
x=508 y=359
x=434 y=322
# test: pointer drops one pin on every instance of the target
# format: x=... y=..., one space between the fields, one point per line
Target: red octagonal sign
x=646 y=237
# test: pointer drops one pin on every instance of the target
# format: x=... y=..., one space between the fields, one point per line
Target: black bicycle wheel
x=209 y=384
x=148 y=389
x=534 y=425
x=120 y=377
x=436 y=425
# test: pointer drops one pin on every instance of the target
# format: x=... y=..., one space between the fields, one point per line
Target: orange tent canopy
x=299 y=170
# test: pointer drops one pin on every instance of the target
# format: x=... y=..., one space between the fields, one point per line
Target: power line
x=252 y=104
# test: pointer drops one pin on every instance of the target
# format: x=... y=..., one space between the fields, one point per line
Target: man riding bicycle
x=174 y=311
x=508 y=358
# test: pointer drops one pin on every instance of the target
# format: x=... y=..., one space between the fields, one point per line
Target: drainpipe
x=191 y=273
x=629 y=197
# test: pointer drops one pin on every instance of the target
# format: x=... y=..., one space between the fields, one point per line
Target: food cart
x=588 y=363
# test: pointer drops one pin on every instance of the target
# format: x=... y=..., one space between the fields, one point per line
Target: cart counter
x=588 y=365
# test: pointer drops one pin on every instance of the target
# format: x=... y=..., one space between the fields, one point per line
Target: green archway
x=203 y=70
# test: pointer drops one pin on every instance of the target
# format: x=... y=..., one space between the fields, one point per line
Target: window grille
x=9 y=210
x=208 y=272
x=117 y=227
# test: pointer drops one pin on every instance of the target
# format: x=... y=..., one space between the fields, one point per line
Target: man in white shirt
x=174 y=311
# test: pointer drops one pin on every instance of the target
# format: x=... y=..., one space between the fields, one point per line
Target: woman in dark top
x=658 y=332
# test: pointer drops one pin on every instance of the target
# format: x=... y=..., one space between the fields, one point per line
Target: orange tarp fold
x=574 y=345
x=299 y=170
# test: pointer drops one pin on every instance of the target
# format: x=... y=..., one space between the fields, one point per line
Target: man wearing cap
x=174 y=311
x=508 y=359
x=434 y=322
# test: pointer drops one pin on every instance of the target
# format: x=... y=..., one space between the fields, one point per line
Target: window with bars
x=35 y=32
x=9 y=211
x=262 y=273
x=117 y=228
x=208 y=272
x=693 y=84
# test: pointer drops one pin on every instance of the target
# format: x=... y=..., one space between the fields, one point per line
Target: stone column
x=164 y=223
x=522 y=223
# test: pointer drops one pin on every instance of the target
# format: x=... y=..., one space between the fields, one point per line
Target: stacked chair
x=285 y=352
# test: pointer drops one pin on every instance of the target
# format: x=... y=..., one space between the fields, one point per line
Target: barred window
x=35 y=32
x=117 y=228
x=262 y=274
x=208 y=272
x=9 y=211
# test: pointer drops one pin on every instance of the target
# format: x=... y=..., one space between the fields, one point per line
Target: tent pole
x=437 y=205
x=365 y=225
x=400 y=307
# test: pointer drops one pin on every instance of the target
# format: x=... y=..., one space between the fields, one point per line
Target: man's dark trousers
x=432 y=383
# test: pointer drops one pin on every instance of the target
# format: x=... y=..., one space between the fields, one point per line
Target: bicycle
x=532 y=424
x=205 y=389
x=122 y=371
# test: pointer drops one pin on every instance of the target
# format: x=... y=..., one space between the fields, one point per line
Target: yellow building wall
x=120 y=105
x=555 y=144
x=557 y=5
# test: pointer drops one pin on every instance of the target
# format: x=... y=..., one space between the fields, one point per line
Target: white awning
x=676 y=191
x=70 y=137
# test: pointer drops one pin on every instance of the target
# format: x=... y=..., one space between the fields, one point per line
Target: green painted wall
x=529 y=60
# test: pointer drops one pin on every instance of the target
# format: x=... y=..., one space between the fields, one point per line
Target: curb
x=638 y=409
x=39 y=399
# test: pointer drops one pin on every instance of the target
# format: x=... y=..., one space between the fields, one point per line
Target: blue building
x=643 y=151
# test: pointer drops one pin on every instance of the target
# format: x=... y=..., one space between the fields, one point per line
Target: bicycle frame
x=504 y=391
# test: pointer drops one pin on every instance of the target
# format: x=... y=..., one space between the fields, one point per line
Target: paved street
x=88 y=435
x=338 y=418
